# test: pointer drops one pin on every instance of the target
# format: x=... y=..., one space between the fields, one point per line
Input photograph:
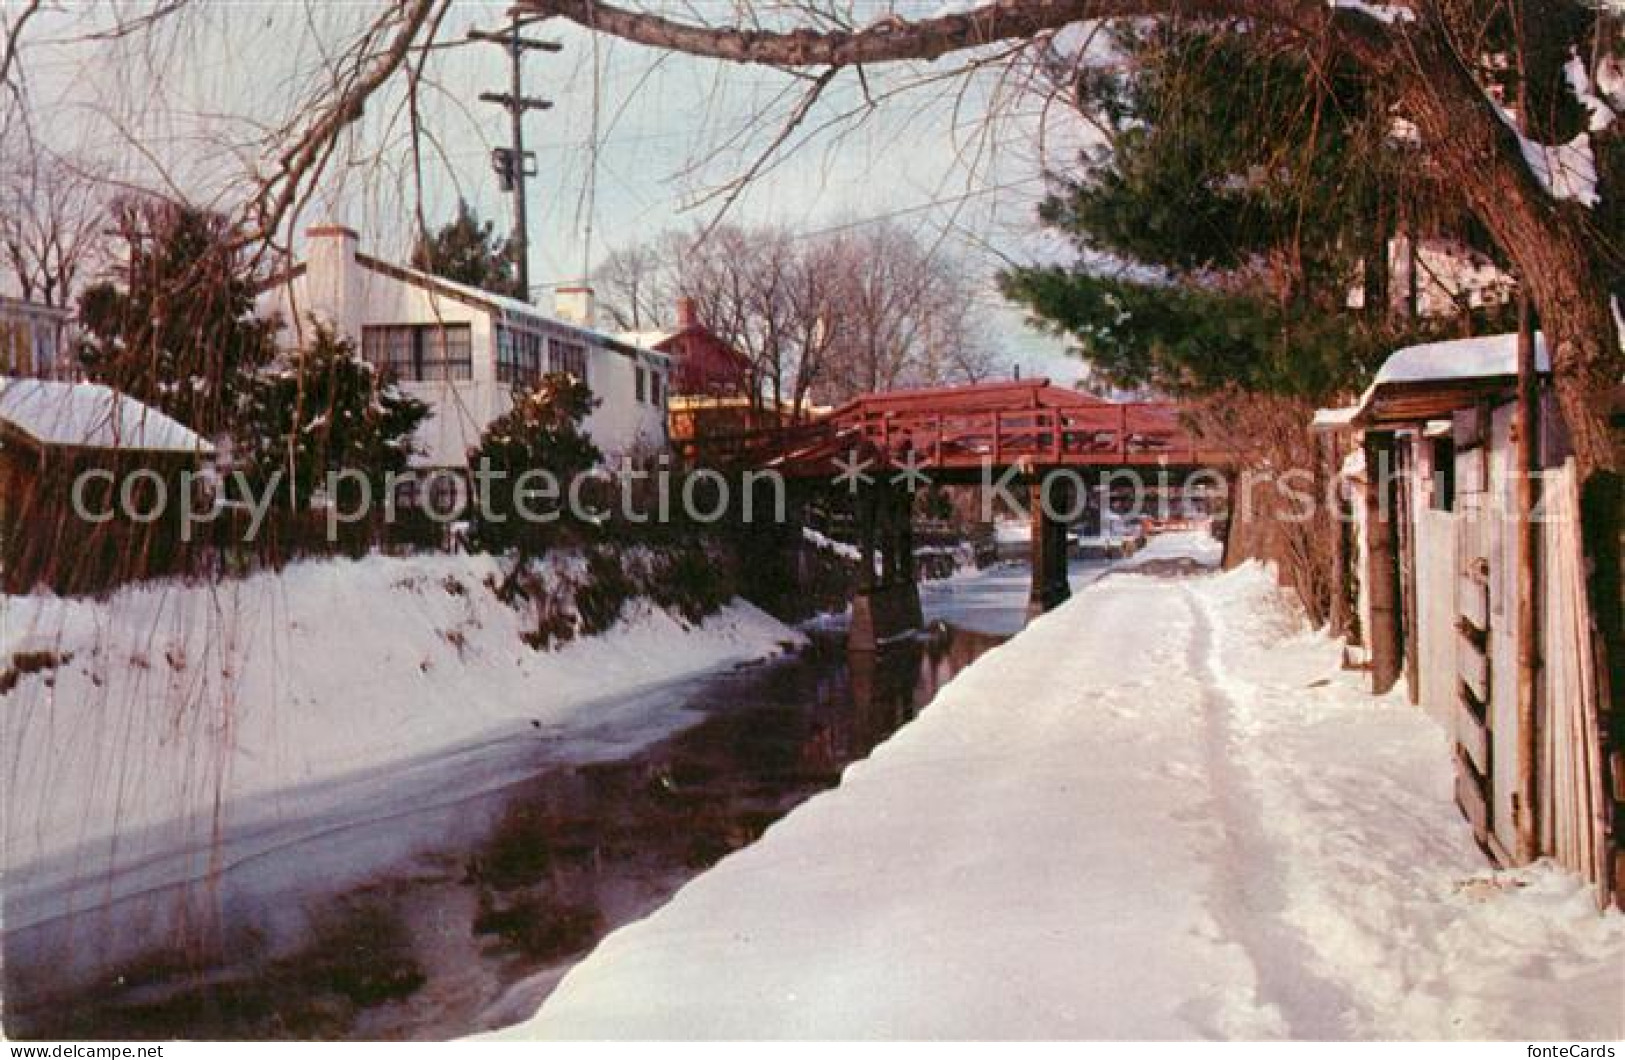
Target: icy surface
x=91 y=415
x=1162 y=811
x=169 y=697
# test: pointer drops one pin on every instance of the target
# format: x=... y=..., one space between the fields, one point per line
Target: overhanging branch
x=896 y=39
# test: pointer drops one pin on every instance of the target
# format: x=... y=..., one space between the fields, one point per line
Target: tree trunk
x=1480 y=154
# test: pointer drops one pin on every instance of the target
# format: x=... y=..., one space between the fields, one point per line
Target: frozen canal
x=451 y=893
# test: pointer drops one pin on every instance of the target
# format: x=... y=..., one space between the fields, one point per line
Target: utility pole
x=514 y=165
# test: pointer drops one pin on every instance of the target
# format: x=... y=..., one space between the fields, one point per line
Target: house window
x=414 y=353
x=657 y=393
x=569 y=357
x=1444 y=475
x=519 y=356
x=638 y=385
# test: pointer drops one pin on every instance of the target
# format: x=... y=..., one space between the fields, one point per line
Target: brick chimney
x=686 y=317
x=575 y=305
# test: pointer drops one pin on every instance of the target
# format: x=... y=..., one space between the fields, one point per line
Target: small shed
x=129 y=462
x=1440 y=593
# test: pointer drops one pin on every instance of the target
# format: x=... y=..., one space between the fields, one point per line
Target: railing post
x=1122 y=430
x=996 y=446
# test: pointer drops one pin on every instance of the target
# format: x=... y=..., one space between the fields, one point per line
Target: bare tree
x=1428 y=51
x=49 y=216
x=863 y=309
x=904 y=314
x=1414 y=45
x=637 y=285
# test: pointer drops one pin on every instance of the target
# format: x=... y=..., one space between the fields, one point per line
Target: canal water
x=450 y=895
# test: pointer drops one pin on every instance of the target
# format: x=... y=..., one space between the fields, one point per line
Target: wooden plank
x=1473 y=601
x=1471 y=735
x=1470 y=798
x=1471 y=469
x=1474 y=670
x=1467 y=428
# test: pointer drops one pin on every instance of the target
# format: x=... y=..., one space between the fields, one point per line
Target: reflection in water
x=475 y=929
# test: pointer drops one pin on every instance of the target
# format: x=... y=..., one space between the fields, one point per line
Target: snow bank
x=1200 y=547
x=1161 y=811
x=168 y=696
x=829 y=544
x=1012 y=532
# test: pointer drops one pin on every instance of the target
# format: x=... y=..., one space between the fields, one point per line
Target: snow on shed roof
x=1333 y=419
x=1483 y=357
x=91 y=416
x=1426 y=382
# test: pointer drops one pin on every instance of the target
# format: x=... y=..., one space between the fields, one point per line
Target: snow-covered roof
x=91 y=416
x=505 y=306
x=1333 y=419
x=1482 y=357
x=1424 y=382
x=647 y=340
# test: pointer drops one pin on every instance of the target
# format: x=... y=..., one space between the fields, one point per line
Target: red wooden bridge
x=1053 y=436
x=955 y=432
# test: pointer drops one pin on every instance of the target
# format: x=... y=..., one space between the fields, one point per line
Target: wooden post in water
x=886 y=606
x=1047 y=544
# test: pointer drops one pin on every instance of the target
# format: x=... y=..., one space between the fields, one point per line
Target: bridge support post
x=1049 y=496
x=886 y=605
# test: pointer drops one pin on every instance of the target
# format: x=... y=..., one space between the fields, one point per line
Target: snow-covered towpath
x=1162 y=811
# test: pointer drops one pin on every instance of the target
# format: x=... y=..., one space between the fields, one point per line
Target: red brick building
x=710 y=380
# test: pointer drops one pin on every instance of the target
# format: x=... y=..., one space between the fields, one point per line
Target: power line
x=921 y=207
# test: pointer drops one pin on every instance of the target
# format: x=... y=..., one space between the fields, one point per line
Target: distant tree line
x=826 y=316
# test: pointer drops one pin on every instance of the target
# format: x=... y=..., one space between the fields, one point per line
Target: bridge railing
x=1133 y=433
x=1125 y=433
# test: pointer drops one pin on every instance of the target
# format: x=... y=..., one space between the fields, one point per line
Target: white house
x=34 y=339
x=462 y=350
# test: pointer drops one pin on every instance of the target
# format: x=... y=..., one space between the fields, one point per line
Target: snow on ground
x=1161 y=811
x=172 y=695
x=829 y=544
x=1012 y=532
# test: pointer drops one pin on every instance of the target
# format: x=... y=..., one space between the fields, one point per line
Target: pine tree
x=1245 y=195
x=543 y=434
x=327 y=410
x=469 y=251
x=180 y=334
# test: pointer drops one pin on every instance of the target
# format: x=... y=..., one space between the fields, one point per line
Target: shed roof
x=91 y=416
x=1432 y=380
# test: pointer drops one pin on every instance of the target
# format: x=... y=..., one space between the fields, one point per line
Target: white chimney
x=574 y=305
x=332 y=278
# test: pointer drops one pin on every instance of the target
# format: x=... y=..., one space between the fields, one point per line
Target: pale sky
x=636 y=140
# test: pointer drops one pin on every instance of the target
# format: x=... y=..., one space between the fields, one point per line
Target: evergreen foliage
x=180 y=332
x=542 y=433
x=469 y=251
x=326 y=411
x=1245 y=193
